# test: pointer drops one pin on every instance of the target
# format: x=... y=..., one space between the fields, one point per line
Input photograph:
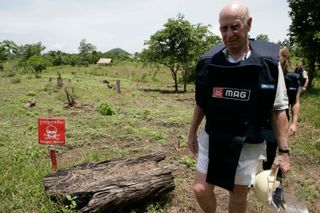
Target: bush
x=106 y=109
x=16 y=80
x=38 y=63
x=31 y=93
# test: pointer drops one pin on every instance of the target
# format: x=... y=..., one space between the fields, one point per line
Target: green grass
x=309 y=141
x=144 y=120
x=24 y=162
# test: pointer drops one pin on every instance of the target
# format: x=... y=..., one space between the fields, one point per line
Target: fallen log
x=110 y=185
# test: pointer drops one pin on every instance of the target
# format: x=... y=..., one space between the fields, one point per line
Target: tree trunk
x=71 y=101
x=185 y=78
x=311 y=72
x=110 y=186
x=175 y=78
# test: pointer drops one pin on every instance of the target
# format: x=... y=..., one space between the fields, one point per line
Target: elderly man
x=239 y=87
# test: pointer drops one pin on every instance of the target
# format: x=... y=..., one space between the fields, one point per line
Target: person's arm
x=295 y=109
x=306 y=77
x=280 y=130
x=280 y=124
x=198 y=115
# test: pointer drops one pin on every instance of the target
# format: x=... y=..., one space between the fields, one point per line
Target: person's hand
x=304 y=88
x=282 y=162
x=292 y=129
x=193 y=143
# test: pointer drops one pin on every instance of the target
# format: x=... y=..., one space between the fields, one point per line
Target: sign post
x=51 y=131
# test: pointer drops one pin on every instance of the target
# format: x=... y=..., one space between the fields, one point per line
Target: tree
x=305 y=31
x=57 y=57
x=263 y=37
x=3 y=56
x=10 y=48
x=29 y=50
x=38 y=63
x=178 y=46
x=85 y=47
x=7 y=50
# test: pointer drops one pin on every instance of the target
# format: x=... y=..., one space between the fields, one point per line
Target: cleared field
x=148 y=117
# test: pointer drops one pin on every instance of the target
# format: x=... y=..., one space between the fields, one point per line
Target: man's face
x=234 y=32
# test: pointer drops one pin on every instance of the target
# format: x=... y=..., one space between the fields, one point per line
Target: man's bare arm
x=280 y=129
x=295 y=109
x=198 y=116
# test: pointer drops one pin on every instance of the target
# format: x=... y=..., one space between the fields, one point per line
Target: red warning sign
x=51 y=131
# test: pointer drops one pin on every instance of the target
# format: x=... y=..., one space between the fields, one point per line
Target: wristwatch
x=287 y=151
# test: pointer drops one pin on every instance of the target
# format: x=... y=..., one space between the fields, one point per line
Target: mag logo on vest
x=231 y=93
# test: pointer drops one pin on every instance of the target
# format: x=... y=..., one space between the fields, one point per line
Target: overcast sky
x=108 y=24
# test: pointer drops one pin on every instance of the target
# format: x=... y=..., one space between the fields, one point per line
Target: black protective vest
x=237 y=100
x=292 y=83
x=301 y=79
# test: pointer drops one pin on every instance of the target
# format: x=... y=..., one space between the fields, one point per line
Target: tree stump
x=59 y=80
x=110 y=185
x=118 y=86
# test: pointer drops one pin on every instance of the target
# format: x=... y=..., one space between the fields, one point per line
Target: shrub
x=106 y=109
x=16 y=80
x=188 y=161
x=38 y=63
x=31 y=93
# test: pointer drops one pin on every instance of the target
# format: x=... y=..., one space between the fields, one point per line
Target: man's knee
x=199 y=188
x=239 y=194
x=202 y=189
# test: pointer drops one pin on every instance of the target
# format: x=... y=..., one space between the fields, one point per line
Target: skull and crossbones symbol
x=51 y=132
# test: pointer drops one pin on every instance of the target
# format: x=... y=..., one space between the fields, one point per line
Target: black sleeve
x=201 y=85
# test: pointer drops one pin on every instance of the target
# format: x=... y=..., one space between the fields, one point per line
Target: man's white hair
x=238 y=6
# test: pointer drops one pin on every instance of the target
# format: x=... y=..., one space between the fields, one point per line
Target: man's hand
x=193 y=143
x=292 y=129
x=282 y=162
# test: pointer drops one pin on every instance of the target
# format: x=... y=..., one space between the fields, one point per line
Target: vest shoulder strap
x=266 y=49
x=214 y=50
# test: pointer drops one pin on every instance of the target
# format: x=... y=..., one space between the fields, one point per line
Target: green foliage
x=87 y=58
x=317 y=145
x=178 y=47
x=117 y=55
x=3 y=56
x=309 y=193
x=151 y=134
x=72 y=202
x=85 y=47
x=10 y=66
x=153 y=208
x=305 y=31
x=106 y=109
x=7 y=50
x=10 y=73
x=31 y=93
x=38 y=63
x=29 y=50
x=58 y=58
x=263 y=37
x=15 y=80
x=188 y=161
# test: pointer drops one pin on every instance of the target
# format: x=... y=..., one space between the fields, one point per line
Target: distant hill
x=118 y=51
